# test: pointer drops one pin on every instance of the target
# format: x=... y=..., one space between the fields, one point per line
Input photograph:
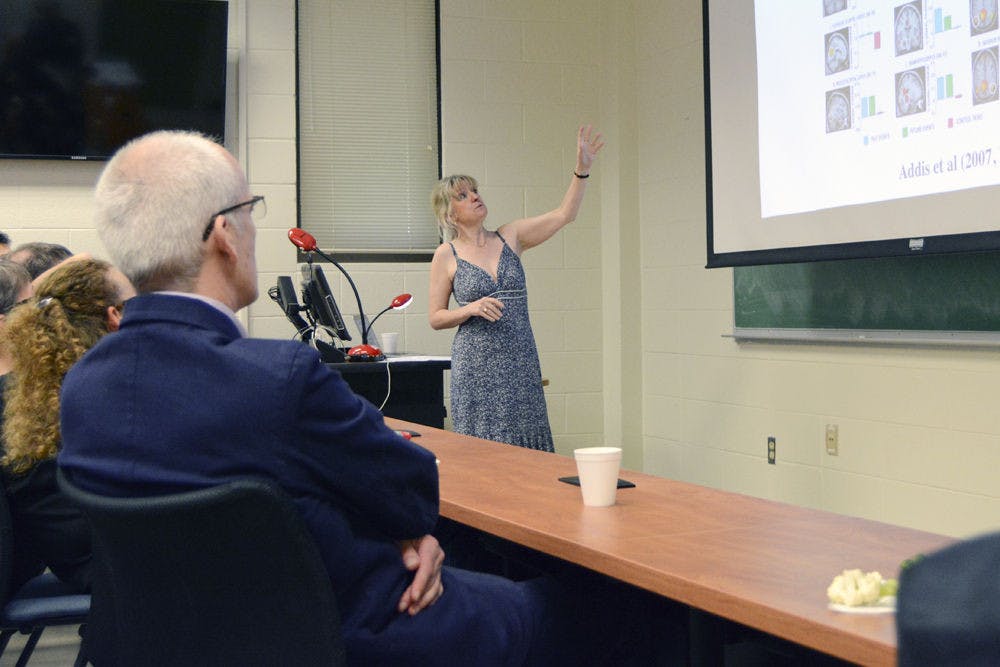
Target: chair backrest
x=948 y=607
x=6 y=545
x=226 y=575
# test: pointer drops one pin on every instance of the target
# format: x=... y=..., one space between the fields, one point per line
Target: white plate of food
x=884 y=605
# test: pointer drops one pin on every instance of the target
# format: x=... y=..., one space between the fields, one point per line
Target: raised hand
x=588 y=143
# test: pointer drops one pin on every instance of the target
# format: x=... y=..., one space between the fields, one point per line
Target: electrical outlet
x=772 y=450
x=832 y=440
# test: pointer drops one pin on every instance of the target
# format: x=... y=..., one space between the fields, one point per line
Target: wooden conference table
x=760 y=563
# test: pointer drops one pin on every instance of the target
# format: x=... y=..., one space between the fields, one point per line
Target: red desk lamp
x=401 y=302
x=302 y=239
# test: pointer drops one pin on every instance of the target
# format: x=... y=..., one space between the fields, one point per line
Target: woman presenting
x=496 y=382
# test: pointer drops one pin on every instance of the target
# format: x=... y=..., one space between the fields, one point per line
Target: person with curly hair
x=71 y=310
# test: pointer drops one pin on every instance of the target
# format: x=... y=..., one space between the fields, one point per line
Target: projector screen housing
x=843 y=129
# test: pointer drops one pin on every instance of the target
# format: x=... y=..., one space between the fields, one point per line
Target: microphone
x=303 y=240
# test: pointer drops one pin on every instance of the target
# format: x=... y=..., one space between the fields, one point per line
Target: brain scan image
x=982 y=16
x=984 y=76
x=911 y=95
x=838 y=110
x=909 y=28
x=838 y=51
x=833 y=6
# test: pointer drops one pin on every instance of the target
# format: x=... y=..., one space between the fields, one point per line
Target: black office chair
x=948 y=606
x=226 y=575
x=43 y=601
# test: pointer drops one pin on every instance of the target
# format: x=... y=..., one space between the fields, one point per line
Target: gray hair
x=154 y=200
x=13 y=279
x=441 y=196
x=39 y=257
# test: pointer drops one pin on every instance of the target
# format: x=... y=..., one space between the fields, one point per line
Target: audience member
x=946 y=606
x=185 y=400
x=73 y=308
x=38 y=257
x=4 y=243
x=15 y=287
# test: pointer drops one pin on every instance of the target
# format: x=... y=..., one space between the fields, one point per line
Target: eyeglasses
x=253 y=202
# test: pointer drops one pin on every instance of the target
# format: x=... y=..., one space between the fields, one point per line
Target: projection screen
x=850 y=128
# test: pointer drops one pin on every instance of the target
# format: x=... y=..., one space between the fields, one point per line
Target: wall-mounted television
x=79 y=78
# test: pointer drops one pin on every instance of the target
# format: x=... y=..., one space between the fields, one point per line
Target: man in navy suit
x=180 y=398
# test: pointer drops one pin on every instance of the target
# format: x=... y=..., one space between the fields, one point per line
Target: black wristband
x=581 y=175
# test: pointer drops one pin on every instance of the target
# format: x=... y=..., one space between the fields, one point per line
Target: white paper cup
x=598 y=470
x=390 y=343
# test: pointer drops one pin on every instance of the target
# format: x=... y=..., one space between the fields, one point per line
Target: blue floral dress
x=496 y=381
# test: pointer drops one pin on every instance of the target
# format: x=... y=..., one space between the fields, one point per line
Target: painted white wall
x=629 y=323
x=919 y=429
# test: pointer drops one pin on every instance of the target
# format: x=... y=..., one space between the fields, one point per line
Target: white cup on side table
x=390 y=343
x=598 y=471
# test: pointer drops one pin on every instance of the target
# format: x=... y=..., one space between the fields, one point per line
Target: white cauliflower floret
x=854 y=588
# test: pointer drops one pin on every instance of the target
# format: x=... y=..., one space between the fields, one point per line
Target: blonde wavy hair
x=46 y=336
x=441 y=195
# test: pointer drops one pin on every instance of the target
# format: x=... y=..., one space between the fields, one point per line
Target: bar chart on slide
x=945 y=86
x=942 y=22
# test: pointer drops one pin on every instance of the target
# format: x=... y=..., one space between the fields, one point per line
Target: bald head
x=154 y=200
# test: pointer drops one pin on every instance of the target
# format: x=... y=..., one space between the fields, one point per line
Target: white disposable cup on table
x=598 y=471
x=390 y=343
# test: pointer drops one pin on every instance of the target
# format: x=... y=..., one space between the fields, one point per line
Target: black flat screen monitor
x=79 y=78
x=318 y=299
x=284 y=295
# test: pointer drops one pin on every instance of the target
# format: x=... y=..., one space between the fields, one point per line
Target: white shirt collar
x=215 y=303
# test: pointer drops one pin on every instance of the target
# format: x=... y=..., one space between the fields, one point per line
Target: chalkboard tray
x=931 y=299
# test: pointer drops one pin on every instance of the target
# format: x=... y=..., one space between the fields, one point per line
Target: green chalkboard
x=930 y=293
